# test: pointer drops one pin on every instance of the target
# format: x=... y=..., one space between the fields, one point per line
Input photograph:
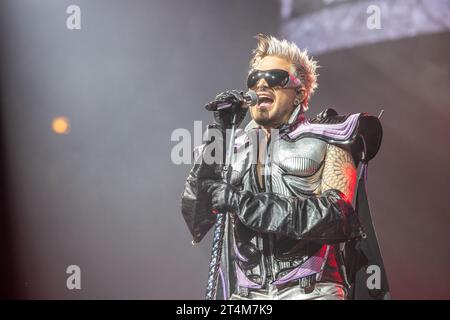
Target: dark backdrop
x=106 y=196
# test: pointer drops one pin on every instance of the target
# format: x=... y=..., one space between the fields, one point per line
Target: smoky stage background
x=106 y=196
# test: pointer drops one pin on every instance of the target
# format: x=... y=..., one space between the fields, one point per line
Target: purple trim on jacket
x=243 y=281
x=337 y=131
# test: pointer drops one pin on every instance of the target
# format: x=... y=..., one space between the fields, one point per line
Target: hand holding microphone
x=231 y=102
x=230 y=108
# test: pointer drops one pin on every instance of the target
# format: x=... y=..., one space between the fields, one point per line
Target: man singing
x=289 y=206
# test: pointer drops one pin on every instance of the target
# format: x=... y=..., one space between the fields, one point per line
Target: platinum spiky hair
x=305 y=67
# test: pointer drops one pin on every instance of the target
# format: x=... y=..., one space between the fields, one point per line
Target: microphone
x=248 y=99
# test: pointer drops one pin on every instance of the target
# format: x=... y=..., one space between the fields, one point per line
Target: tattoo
x=339 y=171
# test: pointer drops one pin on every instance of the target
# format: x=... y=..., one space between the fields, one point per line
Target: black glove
x=224 y=196
x=223 y=118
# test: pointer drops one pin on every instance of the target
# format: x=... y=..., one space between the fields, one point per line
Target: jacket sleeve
x=328 y=218
x=195 y=201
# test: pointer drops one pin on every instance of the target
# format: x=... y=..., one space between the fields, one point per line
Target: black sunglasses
x=274 y=78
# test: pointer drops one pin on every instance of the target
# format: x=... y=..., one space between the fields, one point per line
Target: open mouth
x=265 y=101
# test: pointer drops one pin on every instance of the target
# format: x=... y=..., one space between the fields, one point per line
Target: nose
x=262 y=85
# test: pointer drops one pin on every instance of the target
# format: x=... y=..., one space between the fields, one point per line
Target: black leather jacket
x=287 y=232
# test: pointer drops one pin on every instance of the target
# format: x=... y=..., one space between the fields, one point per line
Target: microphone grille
x=253 y=98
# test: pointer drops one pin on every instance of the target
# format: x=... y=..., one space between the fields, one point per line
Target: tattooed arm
x=339 y=172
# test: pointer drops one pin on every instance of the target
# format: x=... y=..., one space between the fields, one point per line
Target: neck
x=288 y=119
x=267 y=131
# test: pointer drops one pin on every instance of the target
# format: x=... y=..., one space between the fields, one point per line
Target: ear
x=300 y=95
